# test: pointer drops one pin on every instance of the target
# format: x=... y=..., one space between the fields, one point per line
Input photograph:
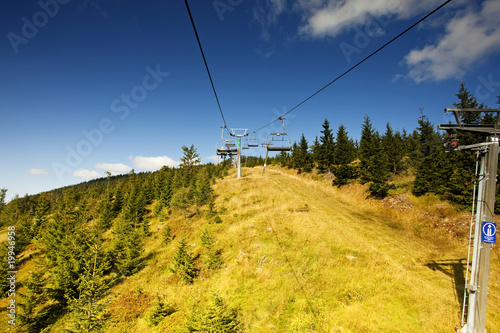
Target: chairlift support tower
x=477 y=285
x=239 y=133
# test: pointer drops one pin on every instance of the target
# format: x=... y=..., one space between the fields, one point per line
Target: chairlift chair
x=227 y=146
x=279 y=141
x=252 y=142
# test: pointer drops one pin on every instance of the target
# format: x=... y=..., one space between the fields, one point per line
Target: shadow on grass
x=454 y=268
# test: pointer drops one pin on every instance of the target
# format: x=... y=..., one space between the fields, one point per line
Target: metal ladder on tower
x=469 y=286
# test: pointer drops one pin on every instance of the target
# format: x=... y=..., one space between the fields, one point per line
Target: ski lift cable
x=359 y=63
x=205 y=61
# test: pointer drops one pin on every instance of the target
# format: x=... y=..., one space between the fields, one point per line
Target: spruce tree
x=315 y=150
x=127 y=248
x=117 y=202
x=188 y=161
x=34 y=310
x=212 y=257
x=106 y=211
x=379 y=173
x=3 y=194
x=345 y=151
x=92 y=285
x=203 y=189
x=65 y=247
x=167 y=235
x=183 y=263
x=432 y=167
x=4 y=268
x=296 y=160
x=301 y=157
x=305 y=154
x=216 y=317
x=367 y=151
x=159 y=309
x=326 y=156
x=181 y=200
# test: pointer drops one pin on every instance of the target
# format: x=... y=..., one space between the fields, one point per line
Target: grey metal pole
x=480 y=269
x=265 y=162
x=243 y=132
x=485 y=251
x=239 y=156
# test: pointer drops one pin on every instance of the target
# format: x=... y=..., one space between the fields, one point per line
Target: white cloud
x=37 y=172
x=469 y=38
x=214 y=158
x=267 y=15
x=86 y=174
x=332 y=17
x=114 y=167
x=153 y=163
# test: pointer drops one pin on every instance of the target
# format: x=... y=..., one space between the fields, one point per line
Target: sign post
x=489 y=232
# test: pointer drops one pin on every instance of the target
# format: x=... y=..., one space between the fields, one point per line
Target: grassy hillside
x=302 y=256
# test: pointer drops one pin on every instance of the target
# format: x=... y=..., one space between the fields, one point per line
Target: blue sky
x=92 y=86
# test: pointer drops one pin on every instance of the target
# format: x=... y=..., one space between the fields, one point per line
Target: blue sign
x=489 y=233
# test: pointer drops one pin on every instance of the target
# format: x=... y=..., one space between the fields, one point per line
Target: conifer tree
x=216 y=317
x=33 y=305
x=106 y=211
x=65 y=247
x=127 y=248
x=167 y=235
x=42 y=205
x=92 y=285
x=393 y=147
x=183 y=263
x=203 y=189
x=212 y=256
x=166 y=190
x=304 y=157
x=181 y=199
x=295 y=156
x=159 y=309
x=301 y=157
x=148 y=191
x=316 y=148
x=117 y=202
x=367 y=150
x=432 y=167
x=188 y=161
x=379 y=174
x=3 y=194
x=190 y=157
x=326 y=156
x=345 y=151
x=4 y=268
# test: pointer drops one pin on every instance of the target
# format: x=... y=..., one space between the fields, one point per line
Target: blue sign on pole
x=489 y=232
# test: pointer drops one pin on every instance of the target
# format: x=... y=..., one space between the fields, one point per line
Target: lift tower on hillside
x=239 y=133
x=476 y=288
